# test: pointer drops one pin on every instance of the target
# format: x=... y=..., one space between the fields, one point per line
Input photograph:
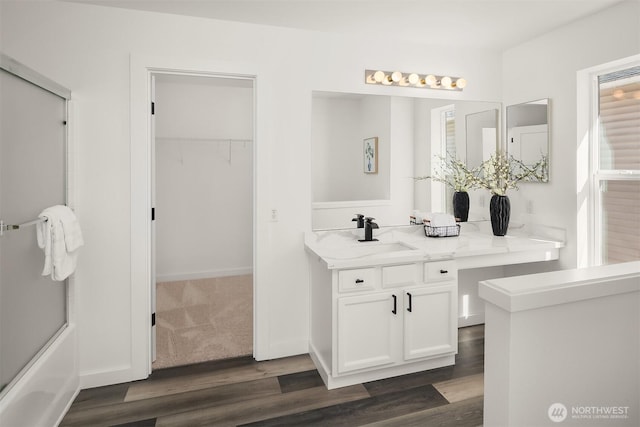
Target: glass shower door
x=33 y=308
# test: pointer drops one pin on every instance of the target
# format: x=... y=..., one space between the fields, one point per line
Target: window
x=449 y=143
x=449 y=134
x=615 y=153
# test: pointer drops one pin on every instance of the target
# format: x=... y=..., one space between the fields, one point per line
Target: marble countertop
x=476 y=246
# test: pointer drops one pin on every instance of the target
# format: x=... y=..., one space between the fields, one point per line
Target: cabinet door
x=369 y=332
x=430 y=323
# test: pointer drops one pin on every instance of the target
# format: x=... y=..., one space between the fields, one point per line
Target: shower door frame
x=54 y=370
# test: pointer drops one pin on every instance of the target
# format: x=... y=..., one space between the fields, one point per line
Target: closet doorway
x=202 y=198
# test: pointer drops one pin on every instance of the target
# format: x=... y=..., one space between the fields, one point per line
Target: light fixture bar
x=424 y=81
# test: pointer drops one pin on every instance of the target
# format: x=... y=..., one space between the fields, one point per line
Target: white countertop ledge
x=475 y=247
x=530 y=292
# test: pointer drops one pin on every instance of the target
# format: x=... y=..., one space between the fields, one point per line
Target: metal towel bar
x=8 y=227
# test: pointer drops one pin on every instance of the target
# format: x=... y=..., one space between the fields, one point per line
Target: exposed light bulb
x=430 y=80
x=398 y=78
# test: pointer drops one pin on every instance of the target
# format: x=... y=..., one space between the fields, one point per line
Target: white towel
x=441 y=220
x=59 y=236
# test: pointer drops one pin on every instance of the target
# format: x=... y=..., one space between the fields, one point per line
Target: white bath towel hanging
x=59 y=236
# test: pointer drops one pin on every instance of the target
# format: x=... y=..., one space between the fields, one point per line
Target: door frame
x=142 y=69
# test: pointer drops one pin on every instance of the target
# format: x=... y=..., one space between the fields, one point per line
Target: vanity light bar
x=425 y=81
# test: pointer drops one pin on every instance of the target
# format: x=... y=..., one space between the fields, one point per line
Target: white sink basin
x=365 y=249
x=378 y=248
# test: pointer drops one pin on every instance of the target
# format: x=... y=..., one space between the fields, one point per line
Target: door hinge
x=153 y=214
x=153 y=108
x=153 y=319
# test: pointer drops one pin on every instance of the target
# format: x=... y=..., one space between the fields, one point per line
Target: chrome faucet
x=369 y=225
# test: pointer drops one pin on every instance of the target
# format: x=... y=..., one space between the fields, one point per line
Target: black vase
x=500 y=211
x=461 y=205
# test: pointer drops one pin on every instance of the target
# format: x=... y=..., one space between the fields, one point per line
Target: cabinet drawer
x=399 y=275
x=355 y=280
x=440 y=270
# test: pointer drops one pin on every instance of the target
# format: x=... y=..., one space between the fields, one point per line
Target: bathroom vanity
x=390 y=307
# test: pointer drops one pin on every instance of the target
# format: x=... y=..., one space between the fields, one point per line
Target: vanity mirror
x=482 y=136
x=409 y=132
x=528 y=133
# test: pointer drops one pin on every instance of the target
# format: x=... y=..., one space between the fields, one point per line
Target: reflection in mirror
x=528 y=133
x=482 y=136
x=340 y=125
x=410 y=133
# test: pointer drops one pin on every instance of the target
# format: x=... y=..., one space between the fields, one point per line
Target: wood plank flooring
x=289 y=392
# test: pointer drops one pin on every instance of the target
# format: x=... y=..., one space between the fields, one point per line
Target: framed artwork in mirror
x=370 y=154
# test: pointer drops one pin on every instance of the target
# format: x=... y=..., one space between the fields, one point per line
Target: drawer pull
x=359 y=281
x=444 y=271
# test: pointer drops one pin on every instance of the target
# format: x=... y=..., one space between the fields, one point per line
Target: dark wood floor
x=289 y=392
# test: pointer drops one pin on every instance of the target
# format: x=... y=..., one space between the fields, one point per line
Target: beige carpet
x=203 y=320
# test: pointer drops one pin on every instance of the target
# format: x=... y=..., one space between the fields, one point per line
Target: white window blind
x=450 y=132
x=617 y=171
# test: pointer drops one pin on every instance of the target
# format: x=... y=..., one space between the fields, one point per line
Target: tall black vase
x=461 y=205
x=500 y=211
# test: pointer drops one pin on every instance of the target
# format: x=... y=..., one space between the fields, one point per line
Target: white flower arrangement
x=500 y=173
x=455 y=174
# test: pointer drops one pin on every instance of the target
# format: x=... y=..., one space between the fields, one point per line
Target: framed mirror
x=528 y=133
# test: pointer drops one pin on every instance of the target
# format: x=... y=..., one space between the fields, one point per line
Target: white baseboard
x=174 y=277
x=473 y=319
x=115 y=375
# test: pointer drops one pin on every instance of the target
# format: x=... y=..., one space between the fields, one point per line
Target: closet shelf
x=204 y=140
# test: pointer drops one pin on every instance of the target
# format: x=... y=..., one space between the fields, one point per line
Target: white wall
x=89 y=49
x=204 y=183
x=546 y=67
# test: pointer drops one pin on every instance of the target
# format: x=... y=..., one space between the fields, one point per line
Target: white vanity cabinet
x=431 y=321
x=367 y=332
x=381 y=321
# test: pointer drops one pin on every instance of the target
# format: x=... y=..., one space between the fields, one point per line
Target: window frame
x=589 y=181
